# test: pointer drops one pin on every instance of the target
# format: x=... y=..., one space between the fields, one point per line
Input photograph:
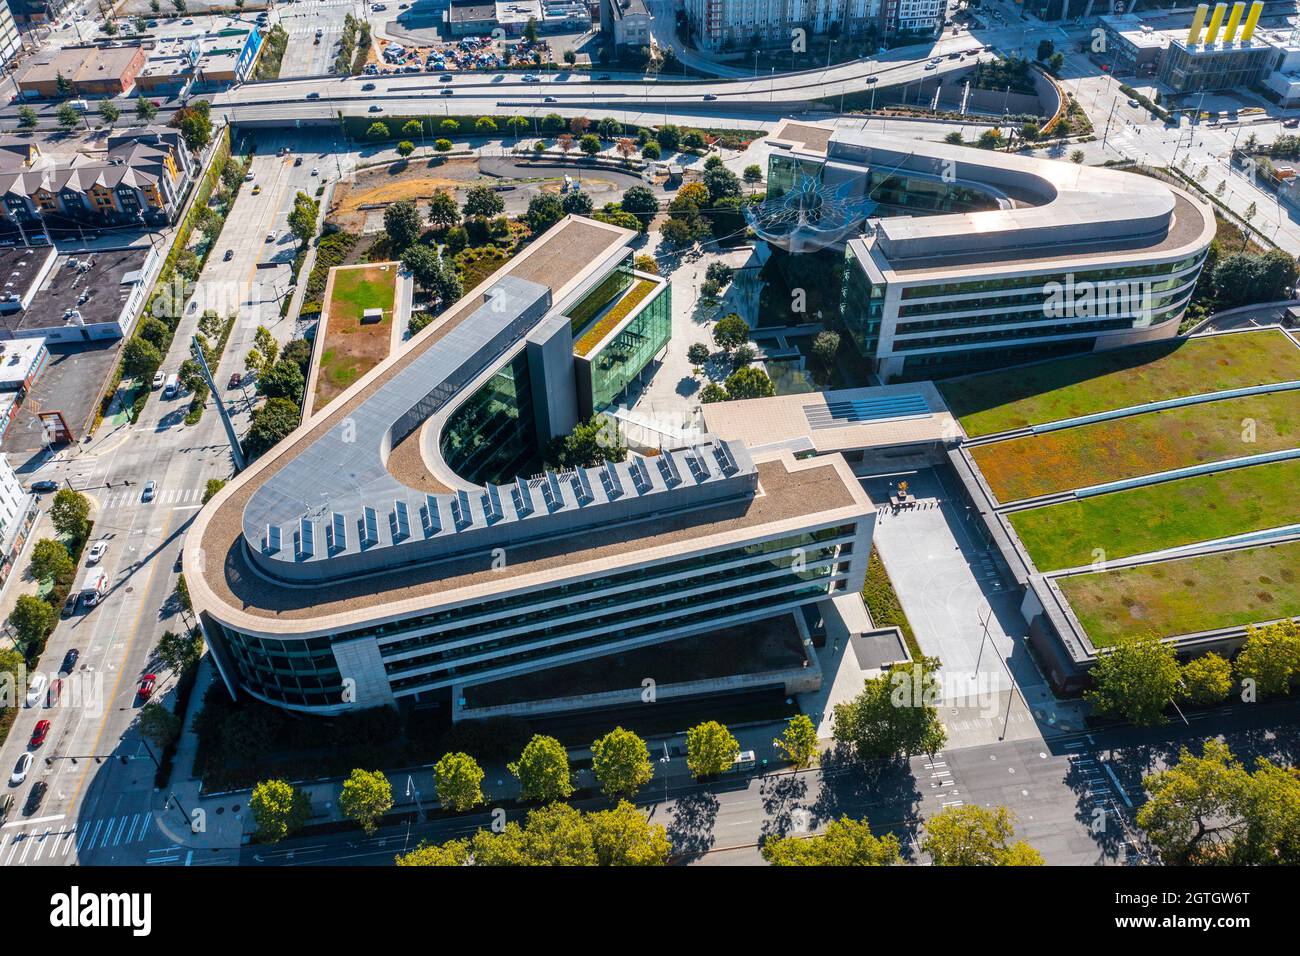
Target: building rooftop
x=471 y=12
x=18 y=358
x=94 y=286
x=21 y=270
x=80 y=64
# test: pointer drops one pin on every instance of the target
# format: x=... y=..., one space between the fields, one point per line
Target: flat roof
x=94 y=285
x=21 y=267
x=17 y=358
x=838 y=420
x=81 y=64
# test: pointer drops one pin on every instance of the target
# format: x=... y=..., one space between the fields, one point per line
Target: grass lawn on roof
x=351 y=349
x=1085 y=455
x=1155 y=517
x=1051 y=391
x=1187 y=595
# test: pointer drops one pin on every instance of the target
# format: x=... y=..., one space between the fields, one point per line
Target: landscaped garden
x=1188 y=595
x=1165 y=515
x=1085 y=455
x=352 y=348
x=1050 y=391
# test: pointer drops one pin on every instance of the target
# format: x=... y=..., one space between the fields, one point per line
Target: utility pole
x=235 y=452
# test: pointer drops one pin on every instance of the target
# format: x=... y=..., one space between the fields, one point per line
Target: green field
x=1119 y=448
x=1065 y=388
x=1189 y=594
x=352 y=349
x=1155 y=517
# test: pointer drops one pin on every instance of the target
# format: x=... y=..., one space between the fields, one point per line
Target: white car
x=36 y=688
x=149 y=489
x=248 y=177
x=21 y=769
x=270 y=236
x=158 y=379
x=315 y=171
x=97 y=551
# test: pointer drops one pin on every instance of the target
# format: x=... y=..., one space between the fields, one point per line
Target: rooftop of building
x=17 y=359
x=96 y=286
x=471 y=11
x=81 y=64
x=779 y=494
x=21 y=268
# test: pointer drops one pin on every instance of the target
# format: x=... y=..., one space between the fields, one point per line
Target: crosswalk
x=132 y=495
x=53 y=842
x=1100 y=788
x=941 y=780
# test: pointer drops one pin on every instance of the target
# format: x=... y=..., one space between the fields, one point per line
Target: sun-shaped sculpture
x=810 y=216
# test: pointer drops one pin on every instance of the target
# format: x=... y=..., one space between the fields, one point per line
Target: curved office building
x=402 y=544
x=963 y=259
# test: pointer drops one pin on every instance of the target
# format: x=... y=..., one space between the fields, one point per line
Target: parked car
x=39 y=733
x=149 y=488
x=69 y=661
x=35 y=797
x=70 y=605
x=147 y=682
x=6 y=804
x=35 y=689
x=1134 y=103
x=160 y=377
x=21 y=768
x=248 y=177
x=225 y=257
x=56 y=691
x=44 y=485
x=97 y=551
x=270 y=236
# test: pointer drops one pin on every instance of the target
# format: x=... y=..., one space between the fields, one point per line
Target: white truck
x=94 y=587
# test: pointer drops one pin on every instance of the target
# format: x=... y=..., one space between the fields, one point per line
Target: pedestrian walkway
x=48 y=841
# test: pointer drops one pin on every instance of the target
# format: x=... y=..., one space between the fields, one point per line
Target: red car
x=38 y=735
x=146 y=686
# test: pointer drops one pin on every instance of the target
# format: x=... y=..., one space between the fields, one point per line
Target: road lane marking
x=28 y=823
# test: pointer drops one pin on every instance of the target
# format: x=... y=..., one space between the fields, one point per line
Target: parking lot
x=305 y=55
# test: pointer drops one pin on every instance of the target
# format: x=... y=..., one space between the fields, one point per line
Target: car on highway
x=21 y=769
x=39 y=733
x=147 y=684
x=602 y=77
x=930 y=66
x=36 y=688
x=529 y=78
x=297 y=160
x=69 y=661
x=97 y=551
x=70 y=605
x=149 y=488
x=313 y=95
x=44 y=485
x=446 y=92
x=872 y=79
x=228 y=255
x=367 y=86
x=936 y=59
x=376 y=108
x=709 y=97
x=445 y=78
x=158 y=379
x=35 y=797
x=550 y=99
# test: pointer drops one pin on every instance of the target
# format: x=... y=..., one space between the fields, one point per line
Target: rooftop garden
x=1050 y=391
x=1085 y=455
x=636 y=293
x=351 y=347
x=1155 y=517
x=1249 y=586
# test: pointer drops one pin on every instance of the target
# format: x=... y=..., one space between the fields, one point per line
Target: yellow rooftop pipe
x=1198 y=21
x=1252 y=19
x=1216 y=21
x=1233 y=19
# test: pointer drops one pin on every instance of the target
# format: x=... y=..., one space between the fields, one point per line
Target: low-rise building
x=10 y=40
x=626 y=24
x=88 y=70
x=86 y=297
x=17 y=515
x=471 y=18
x=204 y=61
x=21 y=362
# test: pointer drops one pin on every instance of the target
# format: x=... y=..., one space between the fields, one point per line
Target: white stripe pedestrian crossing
x=50 y=844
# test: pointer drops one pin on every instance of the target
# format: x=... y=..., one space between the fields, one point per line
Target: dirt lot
x=359 y=202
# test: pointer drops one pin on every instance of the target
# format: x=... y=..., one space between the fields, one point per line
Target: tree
x=518 y=125
x=721 y=183
x=182 y=651
x=713 y=392
x=576 y=203
x=377 y=131
x=697 y=353
x=50 y=560
x=591 y=443
x=1076 y=156
x=752 y=175
x=457 y=780
x=195 y=124
x=272 y=422
x=743 y=355
x=1207 y=679
x=278 y=809
x=544 y=211
x=302 y=217
x=62 y=85
x=564 y=142
x=158 y=724
x=621 y=762
x=710 y=749
x=140 y=359
x=402 y=223
x=846 y=842
x=748 y=382
x=432 y=273
x=1270 y=658
x=530 y=31
x=825 y=347
x=646 y=263
x=70 y=513
x=894 y=715
x=642 y=203
x=67 y=116
x=589 y=144
x=730 y=331
x=609 y=128
x=669 y=137
x=109 y=111
x=412 y=128
x=972 y=835
x=145 y=109
x=366 y=796
x=27 y=117
x=651 y=150
x=624 y=837
x=543 y=770
x=483 y=201
x=32 y=618
x=210 y=489
x=799 y=742
x=282 y=380
x=625 y=147
x=442 y=213
x=451 y=853
x=485 y=126
x=1136 y=679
